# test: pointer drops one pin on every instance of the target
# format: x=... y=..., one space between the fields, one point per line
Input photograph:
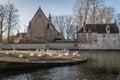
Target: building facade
x=41 y=29
x=102 y=35
x=21 y=38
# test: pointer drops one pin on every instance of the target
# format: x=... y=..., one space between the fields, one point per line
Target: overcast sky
x=27 y=8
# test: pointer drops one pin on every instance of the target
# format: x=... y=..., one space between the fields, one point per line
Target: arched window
x=48 y=25
x=58 y=34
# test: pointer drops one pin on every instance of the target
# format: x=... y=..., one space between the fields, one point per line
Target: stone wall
x=62 y=45
x=95 y=46
x=22 y=46
x=104 y=41
x=81 y=46
x=39 y=46
x=87 y=37
x=108 y=40
x=99 y=41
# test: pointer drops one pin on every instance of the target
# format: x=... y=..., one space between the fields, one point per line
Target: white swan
x=39 y=55
x=20 y=56
x=66 y=54
x=50 y=54
x=7 y=52
x=32 y=54
x=60 y=55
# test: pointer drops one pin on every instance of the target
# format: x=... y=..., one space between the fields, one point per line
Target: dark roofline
x=101 y=25
x=20 y=33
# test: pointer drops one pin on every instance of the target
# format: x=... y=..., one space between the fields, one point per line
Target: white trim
x=107 y=29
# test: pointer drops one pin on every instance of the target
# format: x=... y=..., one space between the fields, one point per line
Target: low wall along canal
x=73 y=46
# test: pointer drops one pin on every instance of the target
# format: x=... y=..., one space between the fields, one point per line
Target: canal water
x=102 y=65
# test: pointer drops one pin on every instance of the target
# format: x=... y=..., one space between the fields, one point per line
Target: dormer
x=107 y=29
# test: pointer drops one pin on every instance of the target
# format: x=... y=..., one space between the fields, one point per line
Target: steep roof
x=22 y=34
x=40 y=10
x=100 y=28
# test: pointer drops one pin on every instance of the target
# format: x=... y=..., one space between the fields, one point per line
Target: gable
x=39 y=14
x=41 y=27
x=39 y=20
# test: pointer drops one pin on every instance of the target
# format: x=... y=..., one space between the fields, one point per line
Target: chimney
x=115 y=22
x=50 y=17
x=84 y=27
x=18 y=31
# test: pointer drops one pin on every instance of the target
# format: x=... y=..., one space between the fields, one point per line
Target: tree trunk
x=1 y=25
x=8 y=38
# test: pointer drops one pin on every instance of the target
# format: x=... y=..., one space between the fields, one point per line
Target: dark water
x=101 y=66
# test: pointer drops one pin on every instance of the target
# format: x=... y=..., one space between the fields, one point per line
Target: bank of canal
x=16 y=60
x=101 y=65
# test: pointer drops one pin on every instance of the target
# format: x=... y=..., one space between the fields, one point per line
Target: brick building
x=41 y=29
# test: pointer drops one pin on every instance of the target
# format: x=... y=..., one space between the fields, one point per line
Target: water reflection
x=103 y=59
x=20 y=77
x=62 y=73
x=101 y=66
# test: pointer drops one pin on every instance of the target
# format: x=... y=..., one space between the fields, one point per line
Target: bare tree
x=81 y=9
x=118 y=20
x=95 y=5
x=12 y=19
x=65 y=25
x=2 y=20
x=101 y=15
x=110 y=14
x=70 y=27
x=93 y=12
x=105 y=15
x=59 y=23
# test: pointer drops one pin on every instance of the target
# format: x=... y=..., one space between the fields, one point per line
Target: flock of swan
x=48 y=53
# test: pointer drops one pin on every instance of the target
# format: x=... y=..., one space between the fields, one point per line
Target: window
x=103 y=35
x=48 y=26
x=58 y=34
x=89 y=30
x=95 y=40
x=75 y=45
x=108 y=29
